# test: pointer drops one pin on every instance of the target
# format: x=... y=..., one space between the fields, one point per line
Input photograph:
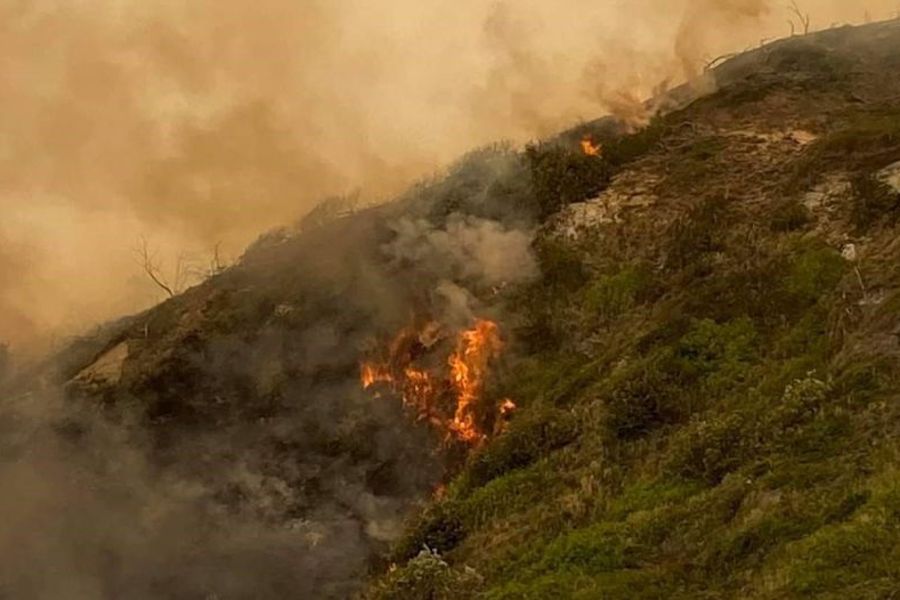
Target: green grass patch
x=610 y=296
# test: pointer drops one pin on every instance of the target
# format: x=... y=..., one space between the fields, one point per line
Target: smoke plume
x=234 y=455
x=208 y=123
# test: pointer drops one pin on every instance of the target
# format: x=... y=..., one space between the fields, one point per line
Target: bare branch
x=193 y=269
x=181 y=272
x=711 y=64
x=216 y=263
x=801 y=16
x=146 y=259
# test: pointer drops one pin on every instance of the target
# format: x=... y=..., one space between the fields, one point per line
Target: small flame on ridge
x=590 y=148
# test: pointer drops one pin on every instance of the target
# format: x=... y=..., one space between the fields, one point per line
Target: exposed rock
x=630 y=190
x=827 y=196
x=890 y=176
x=106 y=370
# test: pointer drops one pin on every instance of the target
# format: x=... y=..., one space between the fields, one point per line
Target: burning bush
x=447 y=396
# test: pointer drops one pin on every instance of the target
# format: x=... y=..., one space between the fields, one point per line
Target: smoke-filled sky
x=195 y=123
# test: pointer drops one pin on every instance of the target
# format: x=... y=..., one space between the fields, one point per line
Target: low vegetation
x=711 y=414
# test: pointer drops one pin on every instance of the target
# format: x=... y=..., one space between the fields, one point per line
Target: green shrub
x=747 y=545
x=428 y=577
x=562 y=264
x=711 y=447
x=775 y=291
x=862 y=381
x=851 y=503
x=799 y=404
x=813 y=271
x=632 y=584
x=693 y=237
x=650 y=396
x=645 y=496
x=577 y=554
x=534 y=434
x=866 y=140
x=628 y=148
x=511 y=493
x=859 y=557
x=864 y=133
x=600 y=547
x=439 y=528
x=612 y=295
x=563 y=272
x=872 y=202
x=549 y=377
x=790 y=215
x=711 y=347
x=676 y=381
x=807 y=338
x=561 y=175
x=547 y=587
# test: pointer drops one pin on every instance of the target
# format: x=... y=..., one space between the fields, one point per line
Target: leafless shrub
x=802 y=18
x=171 y=284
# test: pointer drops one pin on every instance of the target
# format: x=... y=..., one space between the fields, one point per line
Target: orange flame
x=370 y=374
x=449 y=401
x=476 y=347
x=590 y=148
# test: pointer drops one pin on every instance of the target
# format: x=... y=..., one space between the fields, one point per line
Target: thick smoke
x=235 y=456
x=220 y=446
x=217 y=458
x=194 y=124
x=88 y=516
x=465 y=255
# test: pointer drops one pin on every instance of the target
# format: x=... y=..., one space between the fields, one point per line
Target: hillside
x=710 y=379
x=664 y=369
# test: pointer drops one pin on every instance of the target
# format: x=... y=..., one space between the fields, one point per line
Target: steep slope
x=708 y=381
x=698 y=329
x=228 y=427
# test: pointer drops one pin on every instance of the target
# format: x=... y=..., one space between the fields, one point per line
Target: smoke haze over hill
x=211 y=122
x=540 y=325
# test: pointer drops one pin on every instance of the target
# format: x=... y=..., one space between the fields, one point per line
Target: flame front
x=370 y=374
x=448 y=402
x=476 y=347
x=590 y=148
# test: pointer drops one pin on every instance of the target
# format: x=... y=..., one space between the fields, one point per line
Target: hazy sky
x=193 y=123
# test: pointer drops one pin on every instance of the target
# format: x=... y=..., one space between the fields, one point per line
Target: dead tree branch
x=216 y=265
x=711 y=64
x=802 y=17
x=147 y=261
